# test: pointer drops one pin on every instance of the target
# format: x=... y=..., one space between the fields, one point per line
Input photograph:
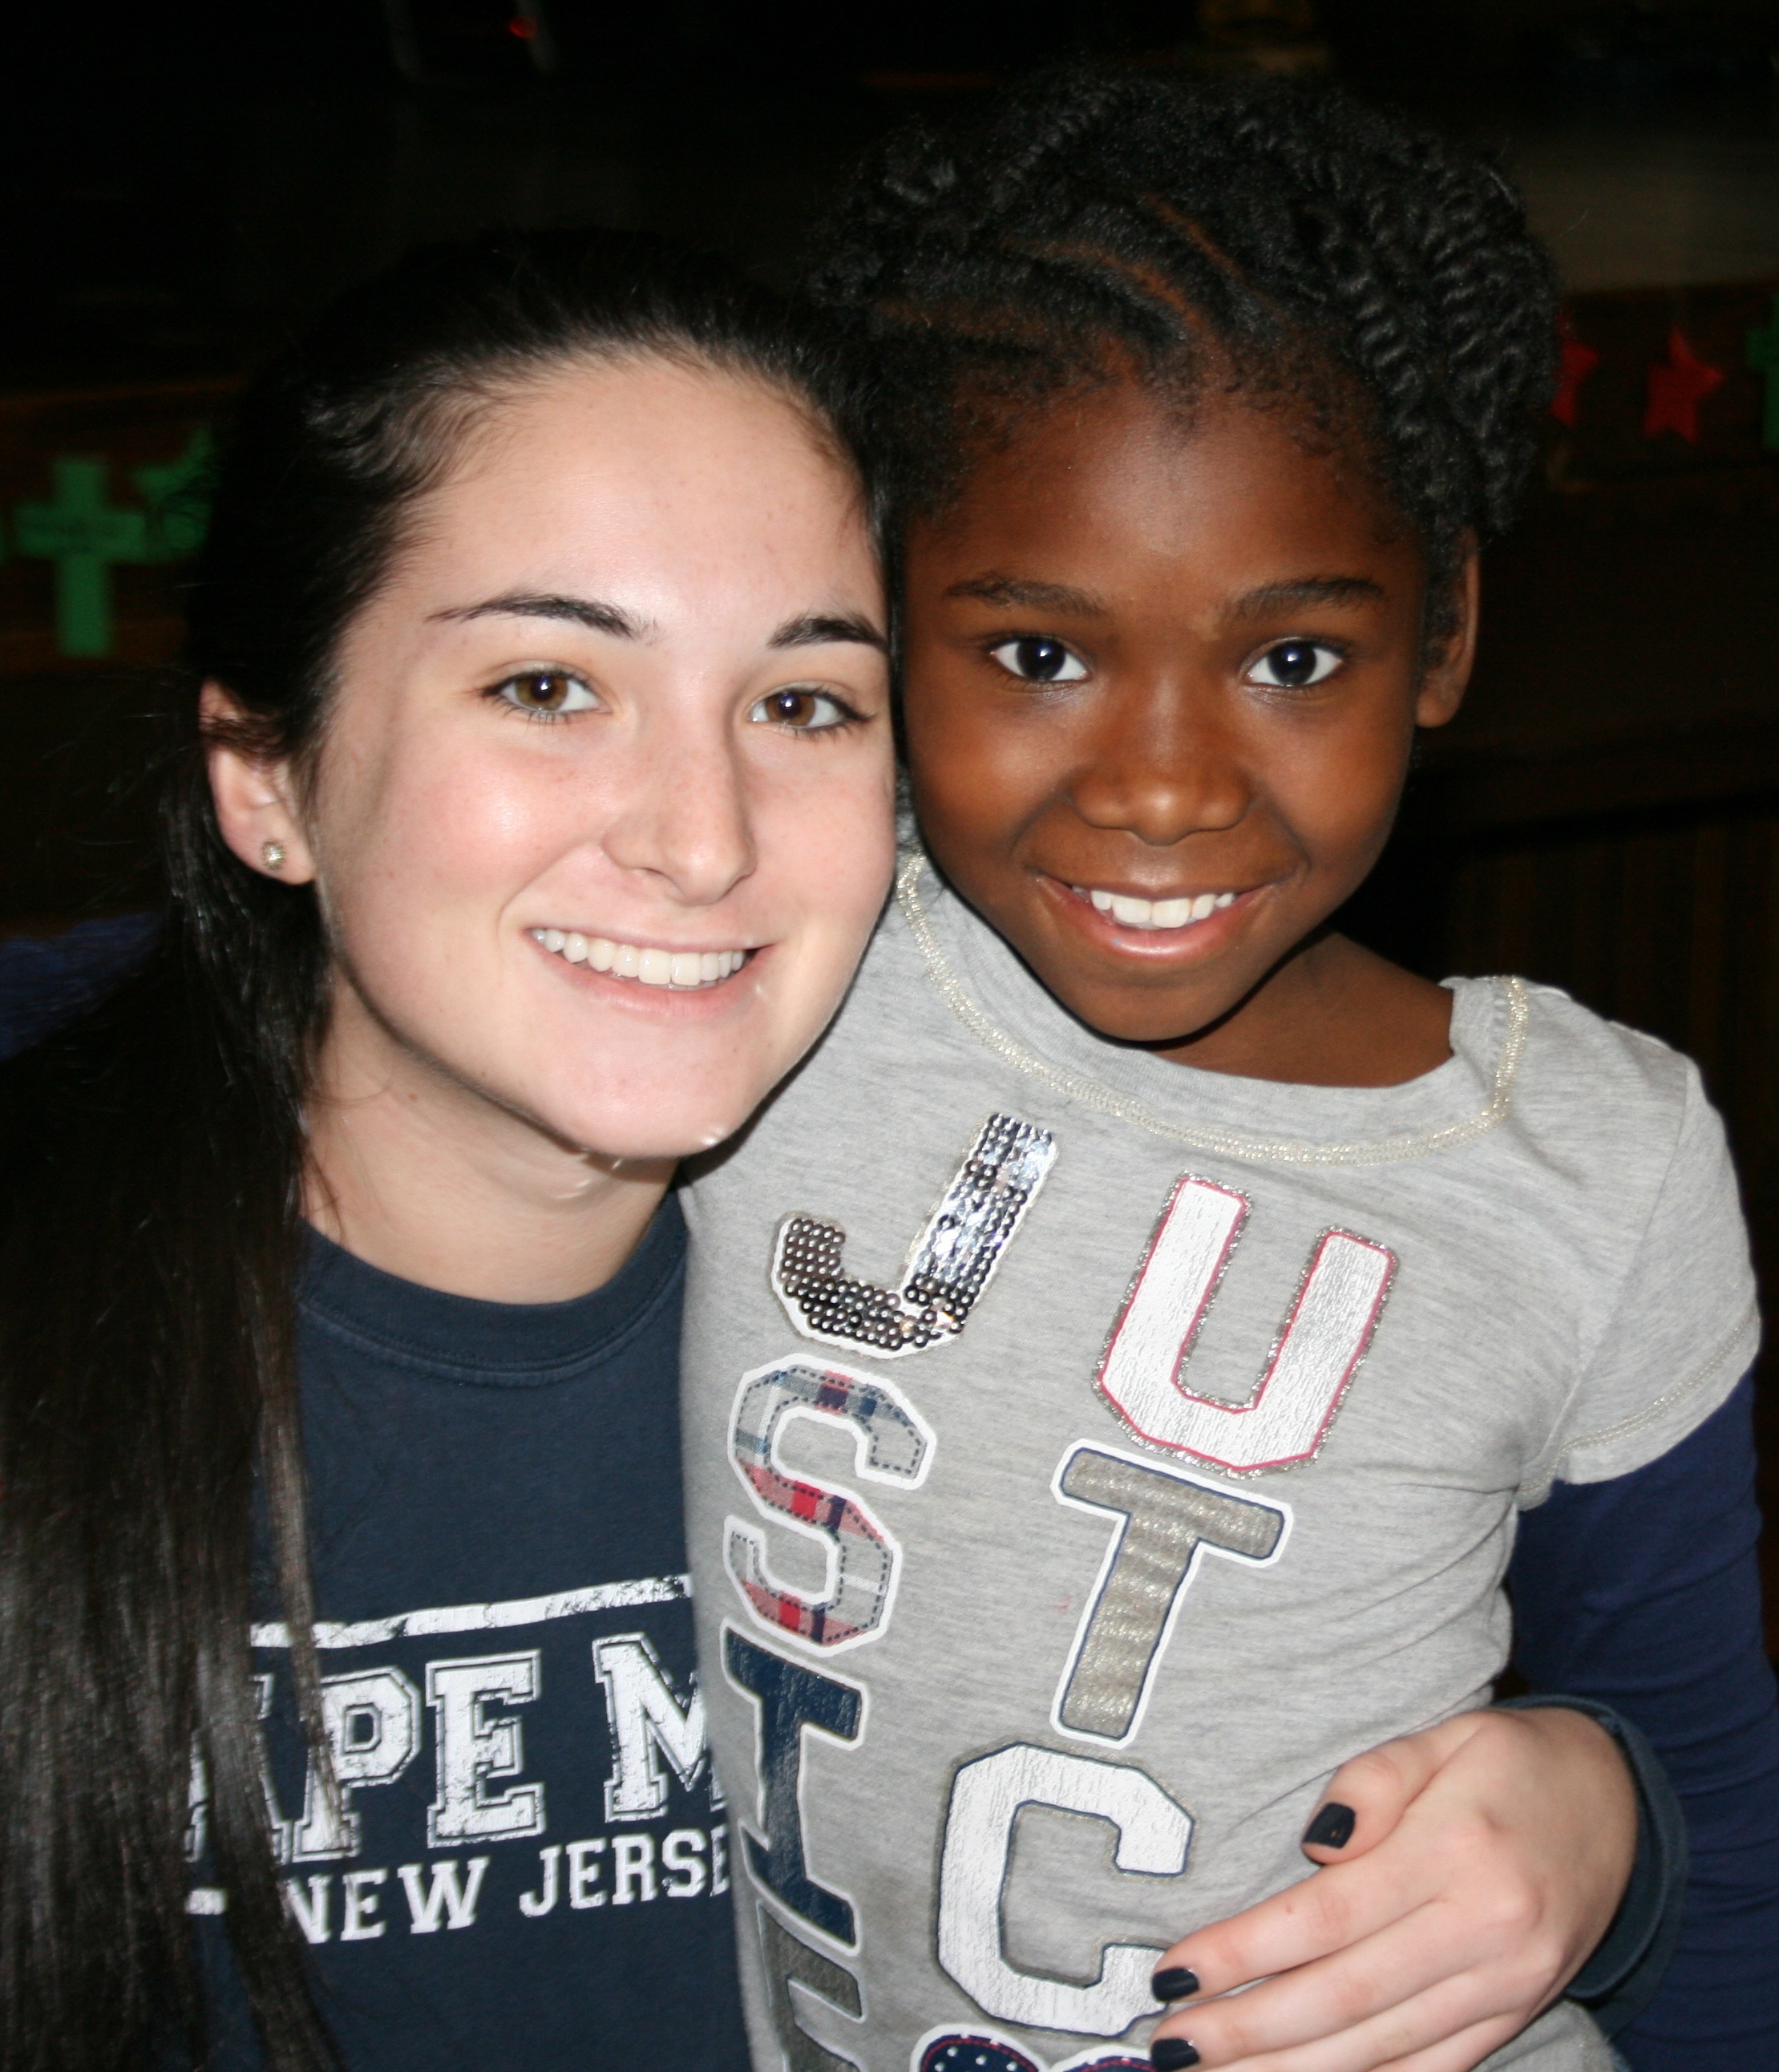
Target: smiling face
x=601 y=817
x=1161 y=690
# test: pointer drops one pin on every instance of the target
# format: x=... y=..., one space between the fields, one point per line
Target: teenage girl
x=538 y=812
x=1118 y=1363
x=532 y=809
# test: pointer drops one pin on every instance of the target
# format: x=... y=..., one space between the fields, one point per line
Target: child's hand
x=1487 y=1858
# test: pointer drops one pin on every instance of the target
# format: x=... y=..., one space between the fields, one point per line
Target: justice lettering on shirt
x=1165 y=1523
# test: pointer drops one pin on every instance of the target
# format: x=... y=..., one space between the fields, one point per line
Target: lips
x=647 y=963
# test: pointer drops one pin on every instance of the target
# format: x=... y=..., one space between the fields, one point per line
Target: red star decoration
x=1676 y=390
x=1578 y=362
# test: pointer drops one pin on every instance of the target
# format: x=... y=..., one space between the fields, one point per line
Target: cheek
x=826 y=853
x=433 y=835
x=980 y=780
x=1339 y=798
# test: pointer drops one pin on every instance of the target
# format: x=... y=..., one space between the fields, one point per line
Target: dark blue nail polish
x=1333 y=1826
x=1172 y=2053
x=1175 y=1983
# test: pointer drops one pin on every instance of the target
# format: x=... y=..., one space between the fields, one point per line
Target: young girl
x=1140 y=1325
x=540 y=810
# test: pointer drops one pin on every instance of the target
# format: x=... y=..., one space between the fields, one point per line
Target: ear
x=1446 y=674
x=255 y=796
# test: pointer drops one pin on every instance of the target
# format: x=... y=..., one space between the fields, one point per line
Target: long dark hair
x=152 y=1169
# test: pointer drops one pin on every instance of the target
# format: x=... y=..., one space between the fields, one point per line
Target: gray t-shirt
x=1086 y=1454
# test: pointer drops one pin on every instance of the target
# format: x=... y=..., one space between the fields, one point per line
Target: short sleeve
x=1684 y=1327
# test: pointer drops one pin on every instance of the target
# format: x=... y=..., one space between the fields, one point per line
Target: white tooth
x=712 y=966
x=1101 y=900
x=552 y=938
x=625 y=960
x=574 y=947
x=1226 y=899
x=1172 y=913
x=600 y=953
x=1204 y=904
x=655 y=967
x=737 y=958
x=687 y=968
x=1132 y=912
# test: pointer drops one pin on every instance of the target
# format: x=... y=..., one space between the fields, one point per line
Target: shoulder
x=1582 y=1079
x=892 y=1005
x=47 y=980
x=1603 y=1128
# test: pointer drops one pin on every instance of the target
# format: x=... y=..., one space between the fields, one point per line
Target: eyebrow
x=1308 y=590
x=816 y=629
x=588 y=612
x=994 y=589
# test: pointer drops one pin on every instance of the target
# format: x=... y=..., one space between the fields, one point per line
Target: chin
x=649 y=1131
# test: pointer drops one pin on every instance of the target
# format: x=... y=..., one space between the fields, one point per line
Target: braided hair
x=1251 y=235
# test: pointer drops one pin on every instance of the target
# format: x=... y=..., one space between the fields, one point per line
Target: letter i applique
x=1326 y=1335
x=949 y=1264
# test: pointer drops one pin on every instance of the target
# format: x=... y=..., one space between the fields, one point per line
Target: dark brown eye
x=1292 y=665
x=801 y=708
x=1037 y=660
x=546 y=693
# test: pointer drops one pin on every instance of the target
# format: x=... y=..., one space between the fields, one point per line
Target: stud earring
x=273 y=853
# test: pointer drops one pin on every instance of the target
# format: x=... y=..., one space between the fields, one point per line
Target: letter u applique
x=949 y=1264
x=1326 y=1334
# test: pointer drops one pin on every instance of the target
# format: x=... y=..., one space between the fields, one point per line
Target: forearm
x=1643 y=1592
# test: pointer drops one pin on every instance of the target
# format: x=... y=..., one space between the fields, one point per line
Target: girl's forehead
x=646 y=471
x=1122 y=471
x=670 y=419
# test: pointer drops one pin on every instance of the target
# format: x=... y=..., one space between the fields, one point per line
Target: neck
x=428 y=1178
x=1332 y=1014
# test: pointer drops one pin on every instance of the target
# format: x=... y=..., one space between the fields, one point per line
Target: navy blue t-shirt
x=527 y=1863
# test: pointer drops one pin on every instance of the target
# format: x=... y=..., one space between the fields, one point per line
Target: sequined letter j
x=949 y=1266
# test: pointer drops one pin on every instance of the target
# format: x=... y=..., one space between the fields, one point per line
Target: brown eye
x=1037 y=660
x=1294 y=665
x=802 y=709
x=545 y=693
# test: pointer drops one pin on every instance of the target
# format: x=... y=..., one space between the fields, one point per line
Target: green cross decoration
x=85 y=538
x=1763 y=357
x=176 y=494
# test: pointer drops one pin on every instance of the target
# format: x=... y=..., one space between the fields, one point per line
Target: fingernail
x=1172 y=2053
x=1175 y=1983
x=1332 y=1828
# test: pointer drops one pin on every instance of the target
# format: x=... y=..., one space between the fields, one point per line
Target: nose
x=1162 y=764
x=686 y=818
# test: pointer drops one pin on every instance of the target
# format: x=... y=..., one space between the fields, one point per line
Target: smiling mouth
x=685 y=971
x=1130 y=912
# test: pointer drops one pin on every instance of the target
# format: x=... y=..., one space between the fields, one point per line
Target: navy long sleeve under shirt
x=1644 y=1593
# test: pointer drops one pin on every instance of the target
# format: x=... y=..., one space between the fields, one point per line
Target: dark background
x=185 y=185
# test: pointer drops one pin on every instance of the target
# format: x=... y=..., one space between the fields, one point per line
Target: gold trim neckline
x=1226 y=1142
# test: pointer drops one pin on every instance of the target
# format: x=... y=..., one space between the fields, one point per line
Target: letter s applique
x=891 y=1444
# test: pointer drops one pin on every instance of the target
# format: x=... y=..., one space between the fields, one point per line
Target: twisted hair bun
x=1284 y=235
